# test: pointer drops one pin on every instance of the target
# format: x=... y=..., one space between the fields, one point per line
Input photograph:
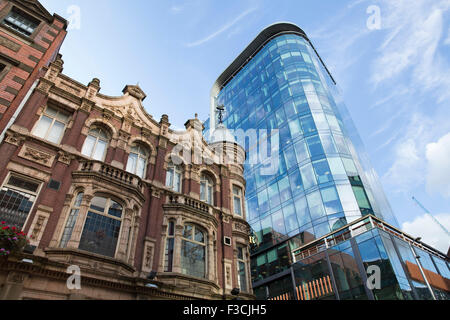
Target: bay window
x=102 y=227
x=193 y=251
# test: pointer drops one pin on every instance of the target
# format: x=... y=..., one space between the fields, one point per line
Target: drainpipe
x=19 y=109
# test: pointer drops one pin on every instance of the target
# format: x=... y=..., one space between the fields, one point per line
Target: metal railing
x=354 y=229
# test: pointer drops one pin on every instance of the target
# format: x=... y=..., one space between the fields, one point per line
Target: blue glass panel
x=296 y=183
x=314 y=146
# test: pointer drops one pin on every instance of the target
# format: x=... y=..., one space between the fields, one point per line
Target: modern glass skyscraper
x=324 y=180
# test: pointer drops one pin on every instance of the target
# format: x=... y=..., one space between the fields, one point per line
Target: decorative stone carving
x=86 y=105
x=44 y=86
x=135 y=91
x=156 y=193
x=15 y=277
x=148 y=257
x=14 y=139
x=37 y=156
x=71 y=89
x=241 y=227
x=38 y=227
x=146 y=133
x=65 y=157
x=226 y=218
x=107 y=114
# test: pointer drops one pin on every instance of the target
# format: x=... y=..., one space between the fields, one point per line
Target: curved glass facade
x=321 y=183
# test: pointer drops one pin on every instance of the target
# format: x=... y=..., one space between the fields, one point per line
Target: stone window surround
x=41 y=113
x=114 y=139
x=240 y=185
x=180 y=220
x=241 y=243
x=125 y=251
x=19 y=36
x=37 y=180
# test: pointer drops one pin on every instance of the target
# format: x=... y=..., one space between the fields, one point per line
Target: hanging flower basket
x=12 y=240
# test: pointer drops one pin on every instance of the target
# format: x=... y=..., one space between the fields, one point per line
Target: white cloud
x=176 y=9
x=404 y=172
x=447 y=41
x=222 y=29
x=430 y=231
x=408 y=168
x=414 y=31
x=438 y=170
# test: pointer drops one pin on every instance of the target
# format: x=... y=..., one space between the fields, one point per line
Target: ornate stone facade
x=146 y=255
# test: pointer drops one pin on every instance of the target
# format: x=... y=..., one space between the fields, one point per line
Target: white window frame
x=176 y=170
x=54 y=119
x=241 y=200
x=25 y=16
x=143 y=154
x=243 y=260
x=36 y=194
x=208 y=183
x=97 y=138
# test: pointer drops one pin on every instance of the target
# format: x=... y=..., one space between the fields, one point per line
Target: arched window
x=206 y=189
x=193 y=251
x=102 y=227
x=173 y=177
x=70 y=223
x=137 y=160
x=170 y=242
x=96 y=144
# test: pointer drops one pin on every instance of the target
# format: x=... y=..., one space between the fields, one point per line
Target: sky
x=390 y=58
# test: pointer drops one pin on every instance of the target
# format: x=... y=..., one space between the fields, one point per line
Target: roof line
x=270 y=32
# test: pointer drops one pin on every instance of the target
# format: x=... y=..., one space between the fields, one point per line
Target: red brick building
x=30 y=38
x=101 y=185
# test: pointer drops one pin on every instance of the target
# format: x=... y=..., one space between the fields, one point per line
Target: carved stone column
x=124 y=236
x=74 y=241
x=135 y=230
x=176 y=266
x=61 y=222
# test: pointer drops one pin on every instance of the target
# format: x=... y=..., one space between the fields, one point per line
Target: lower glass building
x=307 y=172
x=368 y=259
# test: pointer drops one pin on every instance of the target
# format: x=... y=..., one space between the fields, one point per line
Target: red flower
x=3 y=222
x=5 y=228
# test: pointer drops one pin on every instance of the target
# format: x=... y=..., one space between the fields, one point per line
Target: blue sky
x=395 y=77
